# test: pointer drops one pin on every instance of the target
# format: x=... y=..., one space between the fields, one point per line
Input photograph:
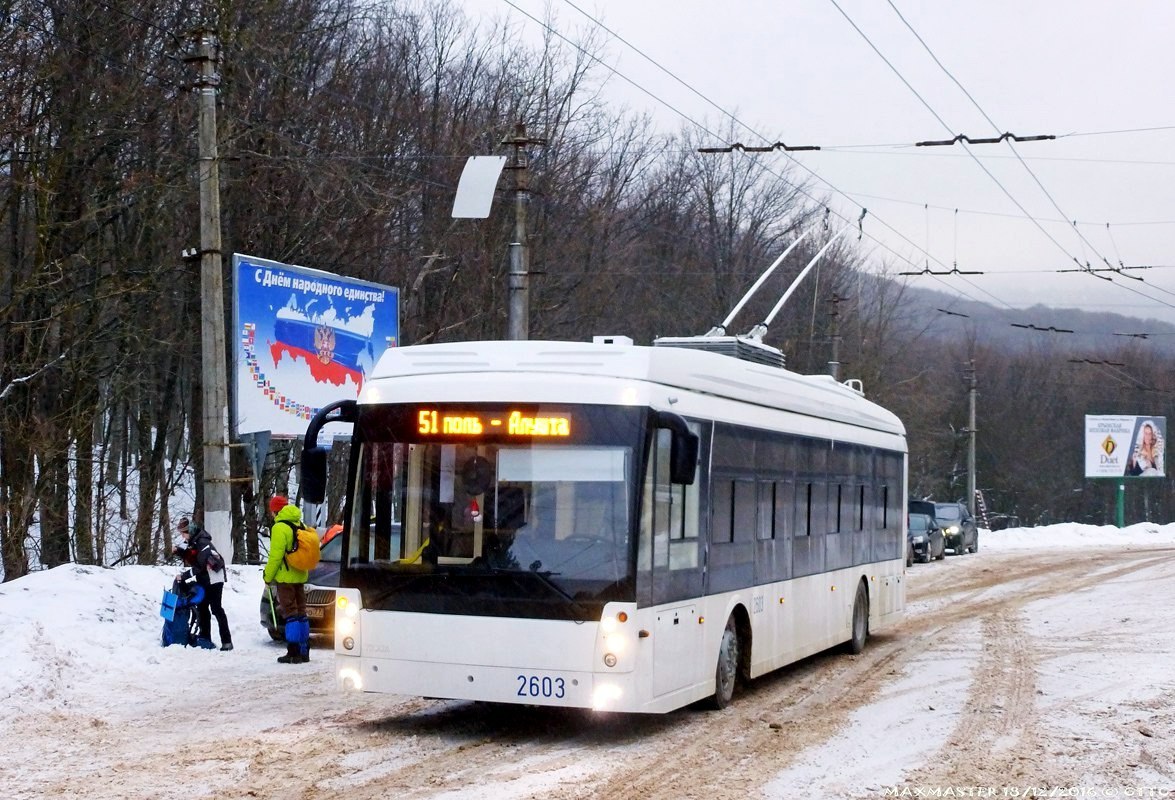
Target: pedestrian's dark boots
x=292 y=656
x=227 y=646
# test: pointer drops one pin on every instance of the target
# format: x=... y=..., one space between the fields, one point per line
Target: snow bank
x=79 y=631
x=1071 y=534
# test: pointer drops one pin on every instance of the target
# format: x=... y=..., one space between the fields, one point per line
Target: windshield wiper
x=545 y=577
x=580 y=609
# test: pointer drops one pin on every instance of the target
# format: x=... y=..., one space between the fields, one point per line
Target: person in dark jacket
x=291 y=591
x=206 y=566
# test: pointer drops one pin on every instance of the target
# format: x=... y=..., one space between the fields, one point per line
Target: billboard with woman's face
x=1125 y=446
x=303 y=338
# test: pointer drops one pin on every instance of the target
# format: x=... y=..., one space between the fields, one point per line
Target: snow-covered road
x=1024 y=666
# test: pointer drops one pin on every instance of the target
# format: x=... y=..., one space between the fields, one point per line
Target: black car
x=926 y=539
x=921 y=507
x=962 y=534
x=320 y=596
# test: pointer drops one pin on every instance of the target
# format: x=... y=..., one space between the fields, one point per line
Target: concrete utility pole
x=519 y=320
x=217 y=513
x=970 y=373
x=834 y=363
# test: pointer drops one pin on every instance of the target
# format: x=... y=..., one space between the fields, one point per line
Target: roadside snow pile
x=62 y=623
x=76 y=630
x=1071 y=534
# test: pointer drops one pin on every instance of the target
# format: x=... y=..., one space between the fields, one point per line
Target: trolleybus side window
x=722 y=511
x=785 y=506
x=767 y=500
x=773 y=558
x=745 y=508
x=892 y=467
x=812 y=506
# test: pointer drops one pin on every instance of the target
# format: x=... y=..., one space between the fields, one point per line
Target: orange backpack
x=306 y=550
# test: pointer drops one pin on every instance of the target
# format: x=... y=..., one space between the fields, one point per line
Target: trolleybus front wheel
x=726 y=673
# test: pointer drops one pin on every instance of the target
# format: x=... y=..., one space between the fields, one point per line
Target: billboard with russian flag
x=303 y=338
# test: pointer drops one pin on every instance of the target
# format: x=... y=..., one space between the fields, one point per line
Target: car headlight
x=952 y=530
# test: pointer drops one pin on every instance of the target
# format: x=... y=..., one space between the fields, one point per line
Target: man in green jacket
x=291 y=592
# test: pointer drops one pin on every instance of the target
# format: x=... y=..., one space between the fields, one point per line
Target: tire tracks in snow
x=378 y=746
x=731 y=755
x=997 y=741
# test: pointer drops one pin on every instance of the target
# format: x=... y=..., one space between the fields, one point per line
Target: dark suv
x=320 y=596
x=958 y=526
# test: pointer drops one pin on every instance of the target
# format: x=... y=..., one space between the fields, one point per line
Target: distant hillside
x=1092 y=332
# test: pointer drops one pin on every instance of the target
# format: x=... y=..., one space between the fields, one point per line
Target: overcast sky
x=799 y=71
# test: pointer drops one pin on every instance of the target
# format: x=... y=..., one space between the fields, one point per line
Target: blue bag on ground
x=179 y=615
x=167 y=608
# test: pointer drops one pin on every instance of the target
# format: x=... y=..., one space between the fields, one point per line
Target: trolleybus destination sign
x=510 y=423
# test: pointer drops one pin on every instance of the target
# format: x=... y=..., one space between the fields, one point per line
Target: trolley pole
x=971 y=437
x=519 y=310
x=217 y=497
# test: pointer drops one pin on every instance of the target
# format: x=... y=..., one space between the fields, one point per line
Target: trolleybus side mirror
x=314 y=457
x=314 y=474
x=683 y=448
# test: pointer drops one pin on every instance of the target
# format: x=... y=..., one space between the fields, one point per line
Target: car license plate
x=316 y=613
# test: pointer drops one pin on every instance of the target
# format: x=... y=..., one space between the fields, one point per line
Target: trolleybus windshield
x=495 y=509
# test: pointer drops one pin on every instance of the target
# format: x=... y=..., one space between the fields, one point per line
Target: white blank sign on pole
x=475 y=191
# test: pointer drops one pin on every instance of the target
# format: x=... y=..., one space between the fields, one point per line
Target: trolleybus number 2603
x=545 y=686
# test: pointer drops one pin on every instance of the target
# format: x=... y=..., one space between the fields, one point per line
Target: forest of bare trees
x=343 y=128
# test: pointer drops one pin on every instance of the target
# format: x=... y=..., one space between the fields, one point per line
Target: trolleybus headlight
x=345 y=626
x=348 y=643
x=347 y=607
x=608 y=624
x=609 y=660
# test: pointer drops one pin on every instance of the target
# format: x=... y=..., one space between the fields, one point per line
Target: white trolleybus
x=607 y=526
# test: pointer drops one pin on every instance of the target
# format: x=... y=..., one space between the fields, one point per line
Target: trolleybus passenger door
x=671 y=570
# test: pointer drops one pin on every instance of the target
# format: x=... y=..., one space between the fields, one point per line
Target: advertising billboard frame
x=302 y=338
x=1120 y=446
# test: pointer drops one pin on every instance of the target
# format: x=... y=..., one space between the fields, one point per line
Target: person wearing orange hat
x=290 y=581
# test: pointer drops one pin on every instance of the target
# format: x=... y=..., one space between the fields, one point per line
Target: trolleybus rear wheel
x=860 y=620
